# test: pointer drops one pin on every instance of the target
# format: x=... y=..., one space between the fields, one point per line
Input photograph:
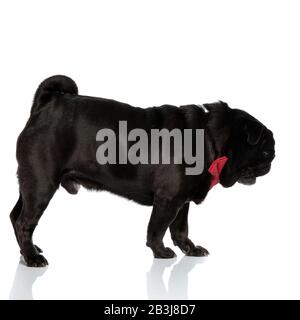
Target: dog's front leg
x=179 y=234
x=163 y=213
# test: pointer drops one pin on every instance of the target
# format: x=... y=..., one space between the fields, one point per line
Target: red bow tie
x=215 y=170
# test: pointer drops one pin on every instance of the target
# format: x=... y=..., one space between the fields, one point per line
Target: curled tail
x=49 y=86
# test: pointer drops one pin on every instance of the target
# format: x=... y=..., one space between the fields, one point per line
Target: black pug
x=58 y=147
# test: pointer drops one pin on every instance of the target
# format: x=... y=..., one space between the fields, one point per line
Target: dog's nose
x=266 y=154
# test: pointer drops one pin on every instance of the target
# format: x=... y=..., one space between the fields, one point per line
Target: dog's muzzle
x=249 y=175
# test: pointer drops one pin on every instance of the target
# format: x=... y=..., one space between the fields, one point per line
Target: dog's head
x=250 y=150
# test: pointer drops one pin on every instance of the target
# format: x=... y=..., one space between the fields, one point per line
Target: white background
x=148 y=53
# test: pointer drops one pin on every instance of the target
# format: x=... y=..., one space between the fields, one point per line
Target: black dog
x=58 y=147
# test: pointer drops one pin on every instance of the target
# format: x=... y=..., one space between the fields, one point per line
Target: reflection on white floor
x=176 y=288
x=24 y=280
x=178 y=284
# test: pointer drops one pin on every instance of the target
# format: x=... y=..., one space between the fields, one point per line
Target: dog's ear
x=254 y=130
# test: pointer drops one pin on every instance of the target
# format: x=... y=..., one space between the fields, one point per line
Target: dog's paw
x=37 y=261
x=197 y=251
x=164 y=253
x=189 y=249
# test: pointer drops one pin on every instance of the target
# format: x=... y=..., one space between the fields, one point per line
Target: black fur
x=58 y=147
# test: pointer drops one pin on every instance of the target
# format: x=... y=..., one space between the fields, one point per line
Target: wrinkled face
x=250 y=149
x=259 y=158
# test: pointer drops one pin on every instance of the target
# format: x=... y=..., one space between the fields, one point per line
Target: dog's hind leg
x=35 y=199
x=14 y=215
